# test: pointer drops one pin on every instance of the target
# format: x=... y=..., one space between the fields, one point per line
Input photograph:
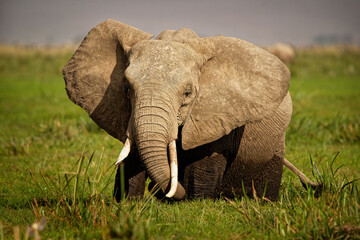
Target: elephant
x=283 y=51
x=201 y=117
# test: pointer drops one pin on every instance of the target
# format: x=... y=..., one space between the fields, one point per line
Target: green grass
x=56 y=162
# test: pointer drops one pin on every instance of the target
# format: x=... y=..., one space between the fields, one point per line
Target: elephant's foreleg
x=134 y=178
x=202 y=178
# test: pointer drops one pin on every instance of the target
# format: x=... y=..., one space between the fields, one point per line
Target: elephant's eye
x=187 y=93
x=187 y=98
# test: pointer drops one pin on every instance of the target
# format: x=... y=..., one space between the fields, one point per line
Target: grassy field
x=55 y=162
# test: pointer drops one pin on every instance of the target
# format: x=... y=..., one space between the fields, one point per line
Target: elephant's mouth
x=173 y=163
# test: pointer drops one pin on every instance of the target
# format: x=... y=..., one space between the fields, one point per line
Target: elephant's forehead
x=170 y=61
x=162 y=52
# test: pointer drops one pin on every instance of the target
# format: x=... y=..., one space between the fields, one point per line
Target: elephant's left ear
x=239 y=84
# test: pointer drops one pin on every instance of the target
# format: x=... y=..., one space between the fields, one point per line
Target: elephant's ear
x=94 y=76
x=239 y=84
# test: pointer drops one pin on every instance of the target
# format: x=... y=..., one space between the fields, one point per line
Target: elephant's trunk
x=155 y=123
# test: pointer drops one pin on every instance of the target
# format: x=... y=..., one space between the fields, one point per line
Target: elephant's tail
x=304 y=180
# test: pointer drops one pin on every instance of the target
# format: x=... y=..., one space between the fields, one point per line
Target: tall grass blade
x=337 y=169
x=332 y=163
x=42 y=173
x=315 y=170
x=122 y=181
x=97 y=169
x=355 y=180
x=85 y=174
x=67 y=182
x=77 y=181
x=109 y=180
x=37 y=183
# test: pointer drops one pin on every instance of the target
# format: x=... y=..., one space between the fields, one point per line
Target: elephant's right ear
x=94 y=76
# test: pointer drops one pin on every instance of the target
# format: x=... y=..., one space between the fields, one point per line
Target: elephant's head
x=142 y=90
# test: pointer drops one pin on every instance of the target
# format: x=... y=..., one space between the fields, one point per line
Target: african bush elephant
x=199 y=116
x=283 y=51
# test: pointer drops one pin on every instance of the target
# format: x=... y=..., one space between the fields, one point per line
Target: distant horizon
x=76 y=44
x=263 y=22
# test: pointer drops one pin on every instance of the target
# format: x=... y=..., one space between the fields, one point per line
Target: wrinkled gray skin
x=225 y=102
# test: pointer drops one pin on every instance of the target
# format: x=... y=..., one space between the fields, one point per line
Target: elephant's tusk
x=124 y=151
x=173 y=169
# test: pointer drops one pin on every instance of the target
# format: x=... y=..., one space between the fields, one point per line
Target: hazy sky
x=262 y=22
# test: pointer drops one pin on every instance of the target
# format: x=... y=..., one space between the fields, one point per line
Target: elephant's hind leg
x=265 y=179
x=268 y=180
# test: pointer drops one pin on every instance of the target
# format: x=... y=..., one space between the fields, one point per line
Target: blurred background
x=263 y=22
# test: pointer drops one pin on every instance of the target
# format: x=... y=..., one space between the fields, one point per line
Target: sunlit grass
x=56 y=162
